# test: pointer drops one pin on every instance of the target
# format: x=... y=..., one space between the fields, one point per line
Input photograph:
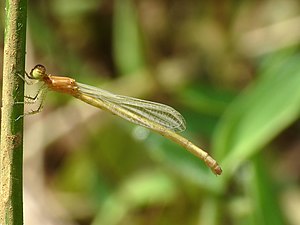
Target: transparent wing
x=155 y=112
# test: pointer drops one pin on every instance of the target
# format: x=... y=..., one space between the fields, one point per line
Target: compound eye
x=38 y=72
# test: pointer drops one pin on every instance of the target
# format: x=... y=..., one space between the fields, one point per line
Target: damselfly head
x=38 y=72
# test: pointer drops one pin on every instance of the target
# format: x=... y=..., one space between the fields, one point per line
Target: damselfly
x=158 y=117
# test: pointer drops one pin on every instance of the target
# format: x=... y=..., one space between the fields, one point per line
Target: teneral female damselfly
x=158 y=117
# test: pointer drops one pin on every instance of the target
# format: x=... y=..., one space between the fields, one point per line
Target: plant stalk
x=11 y=153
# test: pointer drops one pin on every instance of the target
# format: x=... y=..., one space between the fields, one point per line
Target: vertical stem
x=11 y=153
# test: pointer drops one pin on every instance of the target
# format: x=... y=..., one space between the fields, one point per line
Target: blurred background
x=232 y=68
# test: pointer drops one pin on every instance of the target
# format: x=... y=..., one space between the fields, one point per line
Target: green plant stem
x=11 y=154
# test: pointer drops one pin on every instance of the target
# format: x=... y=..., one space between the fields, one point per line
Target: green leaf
x=144 y=188
x=261 y=113
x=128 y=50
x=264 y=196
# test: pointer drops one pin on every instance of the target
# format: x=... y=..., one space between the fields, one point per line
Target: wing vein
x=155 y=112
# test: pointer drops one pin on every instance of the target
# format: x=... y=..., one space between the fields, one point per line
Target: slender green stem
x=11 y=154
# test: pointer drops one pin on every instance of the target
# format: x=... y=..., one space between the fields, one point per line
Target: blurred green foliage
x=241 y=100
